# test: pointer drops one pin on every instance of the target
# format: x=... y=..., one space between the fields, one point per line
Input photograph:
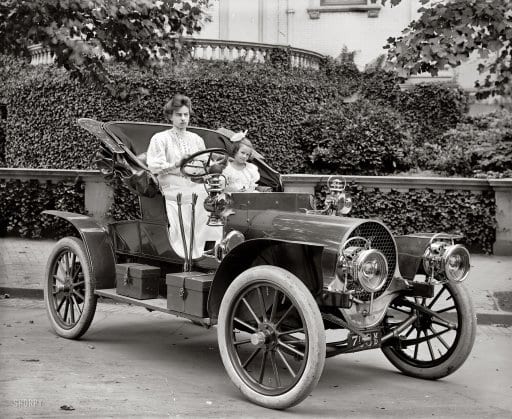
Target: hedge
x=479 y=147
x=271 y=102
x=44 y=107
x=356 y=138
x=126 y=203
x=21 y=203
x=431 y=109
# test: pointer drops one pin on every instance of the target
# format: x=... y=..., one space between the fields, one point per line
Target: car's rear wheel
x=69 y=289
x=271 y=337
x=438 y=342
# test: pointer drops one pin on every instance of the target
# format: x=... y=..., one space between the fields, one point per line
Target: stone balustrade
x=99 y=197
x=214 y=49
x=40 y=55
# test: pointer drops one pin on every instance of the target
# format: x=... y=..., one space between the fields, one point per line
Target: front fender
x=304 y=260
x=97 y=244
x=411 y=248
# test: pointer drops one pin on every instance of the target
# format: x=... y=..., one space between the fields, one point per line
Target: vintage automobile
x=289 y=284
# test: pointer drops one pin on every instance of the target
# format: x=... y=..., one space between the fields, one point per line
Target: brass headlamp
x=338 y=201
x=444 y=260
x=362 y=264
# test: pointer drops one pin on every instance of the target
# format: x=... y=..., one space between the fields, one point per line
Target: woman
x=167 y=151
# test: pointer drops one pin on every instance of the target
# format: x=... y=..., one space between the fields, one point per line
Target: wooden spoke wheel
x=69 y=289
x=271 y=337
x=440 y=338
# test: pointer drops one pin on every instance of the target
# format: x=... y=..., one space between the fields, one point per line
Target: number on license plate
x=370 y=340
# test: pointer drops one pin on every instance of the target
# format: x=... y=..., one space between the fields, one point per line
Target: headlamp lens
x=372 y=270
x=456 y=263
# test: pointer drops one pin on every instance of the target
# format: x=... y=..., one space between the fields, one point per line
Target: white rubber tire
x=303 y=300
x=75 y=331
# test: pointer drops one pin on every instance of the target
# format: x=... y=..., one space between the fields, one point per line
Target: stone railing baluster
x=255 y=52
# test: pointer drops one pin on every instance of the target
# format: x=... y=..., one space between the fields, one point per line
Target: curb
x=498 y=318
x=34 y=293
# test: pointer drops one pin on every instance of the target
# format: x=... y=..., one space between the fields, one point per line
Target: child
x=241 y=176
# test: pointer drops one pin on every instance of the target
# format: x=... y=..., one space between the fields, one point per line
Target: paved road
x=133 y=363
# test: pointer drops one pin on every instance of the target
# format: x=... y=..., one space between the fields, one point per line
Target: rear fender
x=97 y=245
x=304 y=260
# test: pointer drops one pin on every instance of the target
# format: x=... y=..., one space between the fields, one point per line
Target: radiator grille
x=380 y=239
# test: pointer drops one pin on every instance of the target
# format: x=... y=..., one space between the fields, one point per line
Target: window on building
x=342 y=2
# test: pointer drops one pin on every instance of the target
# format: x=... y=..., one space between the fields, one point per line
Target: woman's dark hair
x=238 y=144
x=177 y=102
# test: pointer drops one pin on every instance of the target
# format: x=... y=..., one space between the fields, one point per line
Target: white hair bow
x=238 y=136
x=235 y=137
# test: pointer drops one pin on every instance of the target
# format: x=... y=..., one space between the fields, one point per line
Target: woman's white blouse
x=167 y=148
x=241 y=180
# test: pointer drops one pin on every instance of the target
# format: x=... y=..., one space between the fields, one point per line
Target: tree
x=449 y=32
x=81 y=32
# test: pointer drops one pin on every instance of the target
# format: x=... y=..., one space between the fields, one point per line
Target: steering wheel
x=202 y=163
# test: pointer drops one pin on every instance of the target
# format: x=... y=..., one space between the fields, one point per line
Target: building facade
x=325 y=27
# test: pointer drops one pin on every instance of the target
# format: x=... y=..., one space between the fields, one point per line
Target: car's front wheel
x=439 y=339
x=69 y=288
x=271 y=337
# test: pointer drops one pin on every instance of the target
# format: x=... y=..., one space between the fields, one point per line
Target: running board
x=157 y=304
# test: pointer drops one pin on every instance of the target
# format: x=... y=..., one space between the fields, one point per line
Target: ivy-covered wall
x=21 y=203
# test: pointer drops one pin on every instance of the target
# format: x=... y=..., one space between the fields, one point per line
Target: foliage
x=282 y=108
x=345 y=75
x=479 y=147
x=431 y=109
x=45 y=104
x=80 y=32
x=355 y=138
x=280 y=57
x=426 y=211
x=381 y=86
x=126 y=204
x=21 y=203
x=345 y=56
x=448 y=33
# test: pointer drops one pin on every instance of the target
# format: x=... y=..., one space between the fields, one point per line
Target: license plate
x=358 y=343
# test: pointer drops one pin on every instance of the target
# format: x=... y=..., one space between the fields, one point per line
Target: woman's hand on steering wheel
x=211 y=160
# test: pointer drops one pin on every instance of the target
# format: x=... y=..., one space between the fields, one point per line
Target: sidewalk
x=22 y=264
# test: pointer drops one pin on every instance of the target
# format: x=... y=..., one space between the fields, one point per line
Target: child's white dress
x=241 y=180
